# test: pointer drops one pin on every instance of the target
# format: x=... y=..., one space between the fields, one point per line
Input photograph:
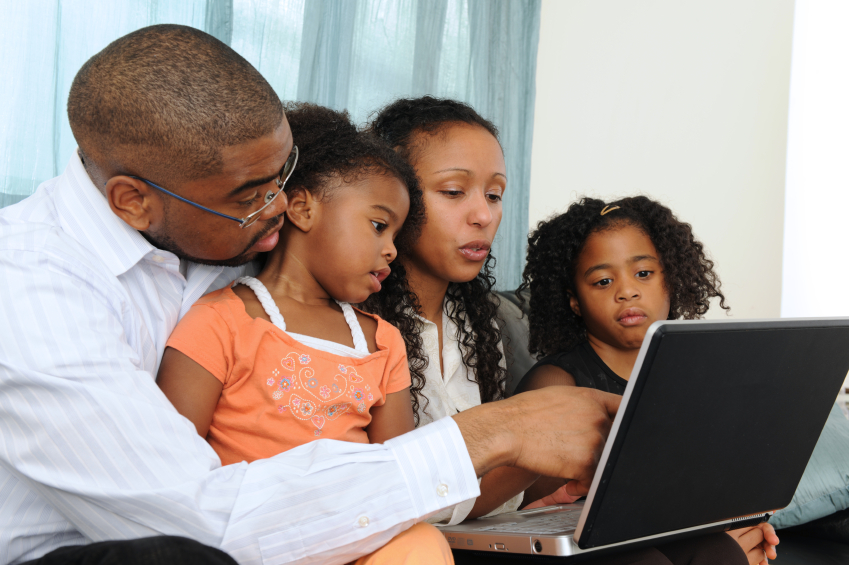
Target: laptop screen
x=721 y=421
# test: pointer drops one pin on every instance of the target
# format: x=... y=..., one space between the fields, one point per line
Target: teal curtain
x=347 y=54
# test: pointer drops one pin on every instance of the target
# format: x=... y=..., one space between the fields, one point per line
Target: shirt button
x=442 y=489
x=363 y=521
x=158 y=258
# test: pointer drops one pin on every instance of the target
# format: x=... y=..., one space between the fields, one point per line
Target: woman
x=440 y=295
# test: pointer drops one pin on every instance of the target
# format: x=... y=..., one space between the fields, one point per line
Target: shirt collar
x=86 y=216
x=452 y=356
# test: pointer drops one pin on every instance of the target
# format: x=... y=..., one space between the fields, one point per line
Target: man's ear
x=134 y=202
x=302 y=210
x=573 y=304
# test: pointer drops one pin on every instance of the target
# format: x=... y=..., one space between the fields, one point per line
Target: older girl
x=599 y=275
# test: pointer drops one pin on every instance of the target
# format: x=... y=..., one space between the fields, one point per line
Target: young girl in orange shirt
x=283 y=359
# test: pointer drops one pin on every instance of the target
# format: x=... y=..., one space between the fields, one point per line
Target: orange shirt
x=279 y=393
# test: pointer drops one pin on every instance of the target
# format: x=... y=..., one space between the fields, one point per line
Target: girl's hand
x=758 y=543
x=563 y=495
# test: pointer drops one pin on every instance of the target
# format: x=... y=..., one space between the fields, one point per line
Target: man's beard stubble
x=166 y=243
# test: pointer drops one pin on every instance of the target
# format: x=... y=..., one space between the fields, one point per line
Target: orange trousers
x=422 y=544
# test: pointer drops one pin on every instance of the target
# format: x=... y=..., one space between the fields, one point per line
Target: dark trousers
x=159 y=550
x=712 y=549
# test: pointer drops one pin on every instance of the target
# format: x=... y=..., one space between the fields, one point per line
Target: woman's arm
x=192 y=390
x=502 y=484
x=393 y=418
x=542 y=377
x=498 y=486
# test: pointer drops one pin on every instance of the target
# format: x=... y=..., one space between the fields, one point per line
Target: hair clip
x=609 y=209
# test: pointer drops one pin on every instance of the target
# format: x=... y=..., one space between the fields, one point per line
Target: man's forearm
x=556 y=432
x=489 y=439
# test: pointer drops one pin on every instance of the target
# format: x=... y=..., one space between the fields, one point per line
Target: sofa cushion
x=514 y=329
x=824 y=488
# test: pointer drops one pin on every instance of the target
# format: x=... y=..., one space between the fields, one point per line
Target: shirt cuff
x=454 y=515
x=436 y=465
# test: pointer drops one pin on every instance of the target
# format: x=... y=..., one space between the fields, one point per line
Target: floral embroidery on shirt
x=270 y=382
x=334 y=411
x=318 y=398
x=307 y=408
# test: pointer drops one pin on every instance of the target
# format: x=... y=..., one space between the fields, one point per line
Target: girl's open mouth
x=379 y=276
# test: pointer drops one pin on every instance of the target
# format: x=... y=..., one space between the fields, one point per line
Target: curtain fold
x=347 y=54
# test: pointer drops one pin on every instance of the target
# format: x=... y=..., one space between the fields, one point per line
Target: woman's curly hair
x=407 y=125
x=556 y=244
x=331 y=148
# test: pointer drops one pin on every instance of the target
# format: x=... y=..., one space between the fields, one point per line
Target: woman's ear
x=133 y=201
x=302 y=210
x=573 y=304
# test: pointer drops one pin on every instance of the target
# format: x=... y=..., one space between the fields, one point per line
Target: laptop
x=715 y=429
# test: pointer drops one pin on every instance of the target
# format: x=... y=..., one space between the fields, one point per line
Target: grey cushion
x=514 y=328
x=824 y=488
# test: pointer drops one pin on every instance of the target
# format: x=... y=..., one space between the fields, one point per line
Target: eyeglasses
x=250 y=219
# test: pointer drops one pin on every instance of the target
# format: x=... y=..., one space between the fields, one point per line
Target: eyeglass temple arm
x=196 y=205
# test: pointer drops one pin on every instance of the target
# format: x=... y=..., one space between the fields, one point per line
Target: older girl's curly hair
x=556 y=244
x=331 y=148
x=407 y=124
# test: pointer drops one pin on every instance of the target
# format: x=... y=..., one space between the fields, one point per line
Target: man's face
x=249 y=171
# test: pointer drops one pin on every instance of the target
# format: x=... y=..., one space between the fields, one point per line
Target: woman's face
x=463 y=179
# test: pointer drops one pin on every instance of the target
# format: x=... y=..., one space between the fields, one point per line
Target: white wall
x=684 y=101
x=817 y=197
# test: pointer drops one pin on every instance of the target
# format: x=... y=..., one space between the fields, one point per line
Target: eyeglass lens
x=288 y=167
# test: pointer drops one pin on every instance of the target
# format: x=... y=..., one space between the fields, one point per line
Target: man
x=176 y=183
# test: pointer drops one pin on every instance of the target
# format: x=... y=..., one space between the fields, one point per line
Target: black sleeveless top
x=585 y=366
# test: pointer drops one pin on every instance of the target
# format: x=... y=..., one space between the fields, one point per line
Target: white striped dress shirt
x=91 y=450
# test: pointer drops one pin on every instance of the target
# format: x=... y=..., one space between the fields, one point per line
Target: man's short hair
x=164 y=100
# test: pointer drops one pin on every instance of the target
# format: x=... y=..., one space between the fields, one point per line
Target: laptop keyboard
x=557 y=523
